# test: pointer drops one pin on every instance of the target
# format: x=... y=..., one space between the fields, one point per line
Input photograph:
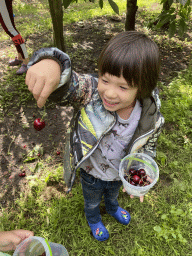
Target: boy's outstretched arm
x=42 y=79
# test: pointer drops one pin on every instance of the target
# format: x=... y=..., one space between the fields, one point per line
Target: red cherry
x=133 y=183
x=145 y=178
x=141 y=182
x=136 y=179
x=58 y=152
x=39 y=124
x=43 y=254
x=22 y=174
x=132 y=172
x=141 y=172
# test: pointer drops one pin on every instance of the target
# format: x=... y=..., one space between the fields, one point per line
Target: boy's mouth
x=108 y=103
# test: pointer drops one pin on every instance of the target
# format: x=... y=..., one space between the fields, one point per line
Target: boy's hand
x=42 y=79
x=131 y=196
x=10 y=239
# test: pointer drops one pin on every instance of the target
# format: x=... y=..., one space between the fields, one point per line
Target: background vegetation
x=161 y=225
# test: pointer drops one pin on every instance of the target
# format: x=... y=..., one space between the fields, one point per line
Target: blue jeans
x=93 y=190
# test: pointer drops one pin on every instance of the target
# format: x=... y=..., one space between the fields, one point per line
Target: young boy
x=114 y=115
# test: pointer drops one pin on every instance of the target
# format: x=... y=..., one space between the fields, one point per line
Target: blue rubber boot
x=99 y=231
x=122 y=216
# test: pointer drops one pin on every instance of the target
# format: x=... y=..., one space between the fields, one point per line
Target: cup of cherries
x=139 y=173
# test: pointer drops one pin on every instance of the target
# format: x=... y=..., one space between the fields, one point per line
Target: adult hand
x=131 y=196
x=42 y=79
x=10 y=239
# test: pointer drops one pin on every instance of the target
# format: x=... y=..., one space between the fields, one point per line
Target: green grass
x=161 y=225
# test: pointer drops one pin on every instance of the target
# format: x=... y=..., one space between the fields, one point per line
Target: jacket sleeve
x=73 y=89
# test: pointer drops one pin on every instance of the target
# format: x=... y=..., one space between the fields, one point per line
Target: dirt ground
x=18 y=137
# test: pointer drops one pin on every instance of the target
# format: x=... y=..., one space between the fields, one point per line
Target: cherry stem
x=44 y=113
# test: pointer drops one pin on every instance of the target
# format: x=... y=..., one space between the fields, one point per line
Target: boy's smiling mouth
x=109 y=104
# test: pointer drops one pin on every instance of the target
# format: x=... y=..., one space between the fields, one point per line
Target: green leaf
x=164 y=216
x=179 y=212
x=29 y=159
x=47 y=178
x=163 y=20
x=170 y=2
x=172 y=29
x=110 y=250
x=66 y=3
x=101 y=4
x=114 y=6
x=163 y=1
x=182 y=27
x=37 y=167
x=165 y=236
x=173 y=207
x=157 y=229
x=181 y=239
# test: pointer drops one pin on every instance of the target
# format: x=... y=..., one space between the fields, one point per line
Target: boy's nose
x=110 y=94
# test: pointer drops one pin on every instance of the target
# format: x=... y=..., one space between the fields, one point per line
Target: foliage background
x=162 y=224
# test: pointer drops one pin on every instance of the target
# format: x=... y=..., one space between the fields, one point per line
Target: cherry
x=141 y=172
x=136 y=179
x=43 y=254
x=58 y=152
x=145 y=178
x=133 y=183
x=132 y=172
x=39 y=124
x=141 y=182
x=22 y=174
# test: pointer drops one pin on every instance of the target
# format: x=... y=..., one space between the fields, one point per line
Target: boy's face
x=116 y=94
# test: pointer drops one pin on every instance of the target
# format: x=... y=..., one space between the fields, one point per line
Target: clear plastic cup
x=36 y=246
x=138 y=161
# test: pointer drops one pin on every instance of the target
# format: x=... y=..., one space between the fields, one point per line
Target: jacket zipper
x=93 y=149
x=140 y=137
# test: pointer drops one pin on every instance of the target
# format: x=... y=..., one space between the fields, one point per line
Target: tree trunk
x=130 y=15
x=56 y=11
x=166 y=6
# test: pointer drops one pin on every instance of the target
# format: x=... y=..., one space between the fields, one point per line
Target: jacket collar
x=147 y=120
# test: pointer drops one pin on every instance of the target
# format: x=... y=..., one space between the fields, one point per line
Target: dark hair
x=134 y=56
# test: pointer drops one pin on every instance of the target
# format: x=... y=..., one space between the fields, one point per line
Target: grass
x=161 y=225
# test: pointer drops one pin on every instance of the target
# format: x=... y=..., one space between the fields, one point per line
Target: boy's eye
x=104 y=81
x=124 y=88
